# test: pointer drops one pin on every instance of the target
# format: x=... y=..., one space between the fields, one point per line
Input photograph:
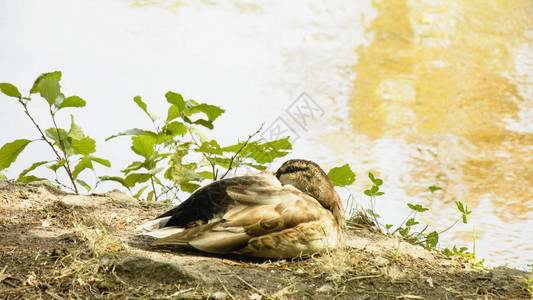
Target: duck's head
x=309 y=178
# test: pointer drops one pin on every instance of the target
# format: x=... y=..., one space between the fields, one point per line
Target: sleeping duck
x=292 y=212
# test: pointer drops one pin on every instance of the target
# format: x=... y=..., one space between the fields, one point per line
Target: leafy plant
x=373 y=192
x=406 y=228
x=529 y=283
x=341 y=176
x=72 y=148
x=176 y=155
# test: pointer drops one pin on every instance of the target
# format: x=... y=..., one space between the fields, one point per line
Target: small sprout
x=434 y=188
x=417 y=207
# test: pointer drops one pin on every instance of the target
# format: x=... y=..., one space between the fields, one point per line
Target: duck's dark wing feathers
x=210 y=202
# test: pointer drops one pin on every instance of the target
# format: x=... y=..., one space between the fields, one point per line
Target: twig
x=416 y=237
x=225 y=289
x=53 y=295
x=10 y=284
x=363 y=277
x=251 y=286
x=238 y=151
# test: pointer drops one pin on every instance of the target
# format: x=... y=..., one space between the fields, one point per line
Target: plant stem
x=450 y=226
x=153 y=188
x=205 y=155
x=66 y=166
x=43 y=136
x=238 y=151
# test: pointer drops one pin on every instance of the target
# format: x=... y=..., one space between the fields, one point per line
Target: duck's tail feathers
x=153 y=225
x=163 y=232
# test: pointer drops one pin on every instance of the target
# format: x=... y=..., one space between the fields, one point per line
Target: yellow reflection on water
x=443 y=75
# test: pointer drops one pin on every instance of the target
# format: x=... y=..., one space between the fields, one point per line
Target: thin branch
x=43 y=136
x=450 y=226
x=238 y=151
x=66 y=166
x=251 y=286
x=225 y=289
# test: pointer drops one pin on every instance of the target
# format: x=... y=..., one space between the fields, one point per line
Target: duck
x=290 y=213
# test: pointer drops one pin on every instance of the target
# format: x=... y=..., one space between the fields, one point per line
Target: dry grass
x=83 y=269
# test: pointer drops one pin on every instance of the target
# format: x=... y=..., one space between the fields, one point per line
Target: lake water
x=421 y=93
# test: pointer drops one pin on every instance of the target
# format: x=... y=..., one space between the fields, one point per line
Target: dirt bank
x=55 y=245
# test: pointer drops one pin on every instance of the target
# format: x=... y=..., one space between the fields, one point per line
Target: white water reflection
x=254 y=59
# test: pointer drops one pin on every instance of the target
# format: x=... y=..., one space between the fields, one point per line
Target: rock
x=502 y=278
x=146 y=268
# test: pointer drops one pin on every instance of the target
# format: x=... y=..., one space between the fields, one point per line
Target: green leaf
x=55 y=75
x=267 y=152
x=378 y=182
x=374 y=189
x=180 y=173
x=155 y=170
x=379 y=193
x=60 y=136
x=150 y=196
x=49 y=89
x=341 y=176
x=189 y=187
x=372 y=213
x=132 y=179
x=57 y=165
x=10 y=90
x=10 y=151
x=432 y=239
x=176 y=100
x=84 y=146
x=143 y=145
x=84 y=184
x=83 y=164
x=114 y=178
x=142 y=105
x=411 y=222
x=434 y=188
x=206 y=174
x=136 y=165
x=371 y=176
x=139 y=193
x=204 y=123
x=59 y=99
x=211 y=147
x=417 y=207
x=460 y=206
x=173 y=112
x=403 y=231
x=175 y=128
x=31 y=168
x=72 y=101
x=28 y=179
x=211 y=111
x=101 y=161
x=133 y=131
x=75 y=131
x=86 y=162
x=368 y=193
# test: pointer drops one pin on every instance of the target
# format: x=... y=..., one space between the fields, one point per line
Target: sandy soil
x=55 y=245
